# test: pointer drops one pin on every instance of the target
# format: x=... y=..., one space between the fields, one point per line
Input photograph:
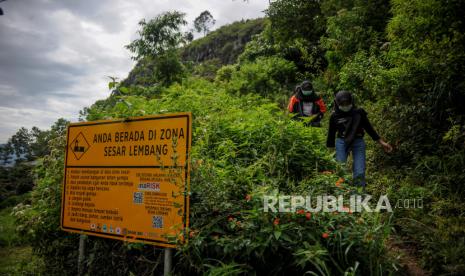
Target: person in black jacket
x=349 y=124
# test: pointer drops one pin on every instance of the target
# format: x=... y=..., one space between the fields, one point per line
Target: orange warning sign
x=129 y=179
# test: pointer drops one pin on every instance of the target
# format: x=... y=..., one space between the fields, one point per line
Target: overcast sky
x=55 y=54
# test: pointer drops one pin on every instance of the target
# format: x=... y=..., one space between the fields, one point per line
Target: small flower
x=345 y=209
x=248 y=197
x=230 y=218
x=339 y=182
x=238 y=223
x=300 y=212
x=308 y=215
x=191 y=234
x=276 y=221
x=325 y=235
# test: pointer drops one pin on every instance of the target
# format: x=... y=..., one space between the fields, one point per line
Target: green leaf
x=277 y=234
x=124 y=90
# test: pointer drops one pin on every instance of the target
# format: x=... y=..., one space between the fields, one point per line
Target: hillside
x=225 y=43
x=219 y=47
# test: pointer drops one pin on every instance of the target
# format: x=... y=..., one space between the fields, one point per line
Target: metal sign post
x=168 y=261
x=82 y=249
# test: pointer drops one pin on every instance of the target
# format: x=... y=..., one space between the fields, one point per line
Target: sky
x=56 y=55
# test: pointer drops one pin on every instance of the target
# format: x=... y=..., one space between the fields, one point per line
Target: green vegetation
x=8 y=235
x=21 y=154
x=16 y=182
x=408 y=76
x=404 y=61
x=16 y=257
x=19 y=260
x=243 y=147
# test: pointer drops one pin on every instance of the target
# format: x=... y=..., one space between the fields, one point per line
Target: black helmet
x=344 y=97
x=306 y=85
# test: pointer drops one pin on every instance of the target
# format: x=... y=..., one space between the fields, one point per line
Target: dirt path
x=407 y=257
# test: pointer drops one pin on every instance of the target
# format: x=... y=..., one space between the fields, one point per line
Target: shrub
x=243 y=147
x=266 y=76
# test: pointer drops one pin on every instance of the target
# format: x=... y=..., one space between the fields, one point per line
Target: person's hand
x=386 y=147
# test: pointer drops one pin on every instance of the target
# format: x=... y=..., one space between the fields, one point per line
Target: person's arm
x=322 y=105
x=386 y=146
x=291 y=104
x=366 y=125
x=372 y=132
x=330 y=140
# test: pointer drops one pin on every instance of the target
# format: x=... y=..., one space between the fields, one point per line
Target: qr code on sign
x=157 y=222
x=138 y=198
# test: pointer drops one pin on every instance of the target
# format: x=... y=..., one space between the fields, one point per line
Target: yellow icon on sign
x=79 y=146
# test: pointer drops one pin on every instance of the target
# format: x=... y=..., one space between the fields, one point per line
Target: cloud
x=55 y=54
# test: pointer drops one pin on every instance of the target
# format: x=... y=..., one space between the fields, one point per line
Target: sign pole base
x=82 y=249
x=168 y=261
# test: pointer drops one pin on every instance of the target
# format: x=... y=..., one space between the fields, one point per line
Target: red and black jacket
x=296 y=106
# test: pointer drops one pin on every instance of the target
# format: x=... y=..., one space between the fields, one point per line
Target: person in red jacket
x=306 y=103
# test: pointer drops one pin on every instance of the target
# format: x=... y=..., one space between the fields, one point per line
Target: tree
x=204 y=22
x=41 y=138
x=5 y=153
x=296 y=27
x=159 y=44
x=189 y=36
x=20 y=143
x=30 y=144
x=39 y=145
x=159 y=35
x=353 y=41
x=291 y=19
x=59 y=128
x=168 y=68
